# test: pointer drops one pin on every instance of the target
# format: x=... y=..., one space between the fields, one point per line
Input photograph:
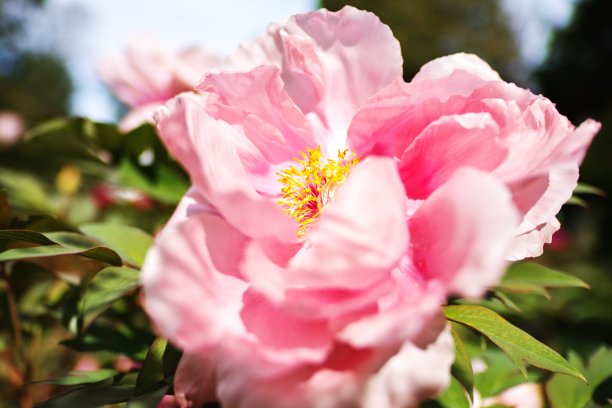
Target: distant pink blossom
x=526 y=395
x=149 y=73
x=12 y=126
x=318 y=283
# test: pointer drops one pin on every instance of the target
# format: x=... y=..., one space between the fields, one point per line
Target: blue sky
x=85 y=31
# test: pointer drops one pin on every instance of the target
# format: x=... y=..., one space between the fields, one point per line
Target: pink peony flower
x=149 y=74
x=317 y=281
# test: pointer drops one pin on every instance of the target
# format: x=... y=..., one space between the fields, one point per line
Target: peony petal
x=207 y=149
x=447 y=144
x=195 y=379
x=275 y=327
x=461 y=233
x=412 y=375
x=195 y=258
x=531 y=244
x=445 y=66
x=330 y=64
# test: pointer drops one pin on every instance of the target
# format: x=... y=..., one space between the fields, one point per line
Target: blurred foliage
x=37 y=85
x=434 y=28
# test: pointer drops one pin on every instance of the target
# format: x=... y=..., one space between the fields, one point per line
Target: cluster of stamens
x=308 y=190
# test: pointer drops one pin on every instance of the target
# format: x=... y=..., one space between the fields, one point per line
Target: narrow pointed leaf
x=129 y=242
x=57 y=243
x=462 y=367
x=25 y=235
x=90 y=396
x=518 y=345
x=81 y=377
x=529 y=277
x=152 y=371
x=106 y=287
x=583 y=188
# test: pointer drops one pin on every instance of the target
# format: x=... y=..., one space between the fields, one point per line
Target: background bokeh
x=59 y=170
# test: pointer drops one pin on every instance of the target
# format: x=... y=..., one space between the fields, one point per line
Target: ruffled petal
x=214 y=153
x=445 y=66
x=195 y=257
x=447 y=144
x=461 y=233
x=330 y=64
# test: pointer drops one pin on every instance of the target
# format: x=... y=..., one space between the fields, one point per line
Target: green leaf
x=152 y=371
x=26 y=191
x=106 y=287
x=583 y=188
x=129 y=242
x=167 y=184
x=518 y=345
x=529 y=277
x=567 y=392
x=454 y=396
x=120 y=339
x=462 y=368
x=90 y=396
x=148 y=400
x=25 y=235
x=81 y=377
x=61 y=243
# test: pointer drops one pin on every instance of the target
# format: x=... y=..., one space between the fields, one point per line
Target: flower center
x=306 y=191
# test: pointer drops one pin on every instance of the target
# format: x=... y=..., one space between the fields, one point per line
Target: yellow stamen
x=308 y=190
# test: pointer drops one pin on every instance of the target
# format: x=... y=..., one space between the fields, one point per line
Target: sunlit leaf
x=462 y=367
x=166 y=184
x=106 y=287
x=518 y=345
x=529 y=277
x=57 y=243
x=129 y=242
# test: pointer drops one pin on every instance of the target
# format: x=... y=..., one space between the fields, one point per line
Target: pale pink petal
x=530 y=244
x=461 y=233
x=447 y=144
x=414 y=315
x=445 y=66
x=411 y=376
x=276 y=328
x=526 y=395
x=195 y=259
x=195 y=379
x=206 y=147
x=330 y=64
